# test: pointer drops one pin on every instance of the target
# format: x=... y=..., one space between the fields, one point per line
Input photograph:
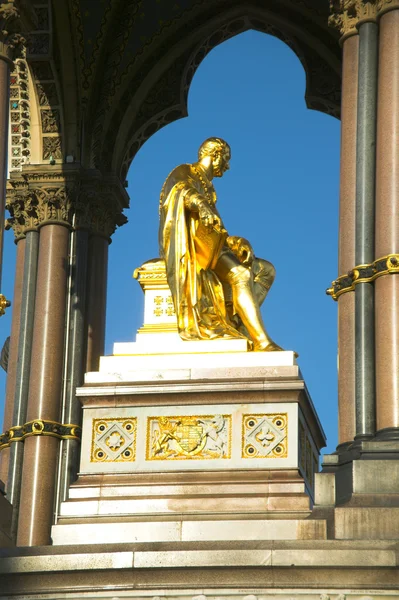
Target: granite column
x=365 y=216
x=13 y=352
x=387 y=225
x=346 y=247
x=45 y=382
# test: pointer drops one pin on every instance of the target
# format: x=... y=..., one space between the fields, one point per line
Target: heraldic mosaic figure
x=217 y=283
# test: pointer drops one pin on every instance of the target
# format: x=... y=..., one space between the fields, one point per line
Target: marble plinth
x=196 y=446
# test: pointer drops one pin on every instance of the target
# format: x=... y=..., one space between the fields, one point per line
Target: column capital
x=70 y=196
x=16 y=16
x=99 y=205
x=347 y=15
x=386 y=5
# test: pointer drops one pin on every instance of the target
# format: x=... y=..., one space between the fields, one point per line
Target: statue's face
x=220 y=161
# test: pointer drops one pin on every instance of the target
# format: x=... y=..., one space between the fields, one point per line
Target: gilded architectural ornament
x=265 y=435
x=387 y=265
x=347 y=15
x=61 y=431
x=188 y=437
x=114 y=440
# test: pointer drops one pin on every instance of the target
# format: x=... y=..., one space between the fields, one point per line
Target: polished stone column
x=365 y=217
x=75 y=358
x=96 y=300
x=387 y=227
x=40 y=455
x=13 y=353
x=23 y=371
x=346 y=258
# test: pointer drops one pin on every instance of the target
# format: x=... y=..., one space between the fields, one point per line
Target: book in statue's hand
x=208 y=241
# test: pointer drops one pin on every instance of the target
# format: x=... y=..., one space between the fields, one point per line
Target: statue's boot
x=248 y=310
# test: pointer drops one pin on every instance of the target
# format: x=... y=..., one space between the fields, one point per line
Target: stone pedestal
x=5 y=520
x=181 y=446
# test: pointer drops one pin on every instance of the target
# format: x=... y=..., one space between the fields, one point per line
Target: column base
x=389 y=434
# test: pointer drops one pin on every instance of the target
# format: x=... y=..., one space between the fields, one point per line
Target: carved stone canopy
x=133 y=63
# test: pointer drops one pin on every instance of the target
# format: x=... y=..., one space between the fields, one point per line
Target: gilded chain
x=62 y=431
x=363 y=274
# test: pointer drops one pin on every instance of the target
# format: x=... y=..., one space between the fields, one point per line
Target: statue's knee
x=264 y=271
x=239 y=274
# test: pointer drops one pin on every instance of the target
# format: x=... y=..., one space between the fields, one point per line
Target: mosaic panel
x=114 y=440
x=188 y=437
x=19 y=116
x=265 y=435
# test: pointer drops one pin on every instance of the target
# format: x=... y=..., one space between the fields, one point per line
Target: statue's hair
x=210 y=146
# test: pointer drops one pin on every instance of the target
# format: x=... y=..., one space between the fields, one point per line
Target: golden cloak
x=197 y=293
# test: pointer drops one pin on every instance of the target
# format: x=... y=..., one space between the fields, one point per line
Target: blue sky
x=281 y=193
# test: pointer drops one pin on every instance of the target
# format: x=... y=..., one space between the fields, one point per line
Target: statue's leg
x=263 y=274
x=229 y=269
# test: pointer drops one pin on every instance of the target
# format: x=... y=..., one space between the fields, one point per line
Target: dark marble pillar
x=365 y=221
x=75 y=358
x=13 y=353
x=23 y=371
x=96 y=300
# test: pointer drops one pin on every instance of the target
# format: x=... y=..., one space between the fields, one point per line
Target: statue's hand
x=208 y=217
x=241 y=248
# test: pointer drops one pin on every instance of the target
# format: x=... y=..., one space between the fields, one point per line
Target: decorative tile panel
x=19 y=116
x=265 y=435
x=188 y=437
x=114 y=440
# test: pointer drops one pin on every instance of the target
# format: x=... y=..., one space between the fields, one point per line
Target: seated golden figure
x=217 y=283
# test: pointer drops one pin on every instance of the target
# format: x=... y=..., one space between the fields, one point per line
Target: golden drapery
x=197 y=293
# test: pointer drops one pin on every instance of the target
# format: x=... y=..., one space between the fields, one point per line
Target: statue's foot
x=267 y=346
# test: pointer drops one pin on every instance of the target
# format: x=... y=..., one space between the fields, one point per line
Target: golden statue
x=217 y=283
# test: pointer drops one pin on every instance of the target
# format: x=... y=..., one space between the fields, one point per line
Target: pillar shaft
x=96 y=300
x=346 y=260
x=40 y=453
x=74 y=367
x=387 y=225
x=365 y=222
x=23 y=370
x=13 y=354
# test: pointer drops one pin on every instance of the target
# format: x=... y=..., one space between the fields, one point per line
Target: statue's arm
x=197 y=203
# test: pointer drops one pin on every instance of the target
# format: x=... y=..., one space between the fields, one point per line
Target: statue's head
x=219 y=152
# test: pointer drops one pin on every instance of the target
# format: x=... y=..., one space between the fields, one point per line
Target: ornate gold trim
x=386 y=265
x=62 y=431
x=4 y=303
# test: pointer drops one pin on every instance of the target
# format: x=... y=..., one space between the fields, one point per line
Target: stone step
x=185 y=505
x=366 y=523
x=188 y=531
x=228 y=489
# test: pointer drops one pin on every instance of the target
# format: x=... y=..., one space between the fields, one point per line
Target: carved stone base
x=197 y=446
